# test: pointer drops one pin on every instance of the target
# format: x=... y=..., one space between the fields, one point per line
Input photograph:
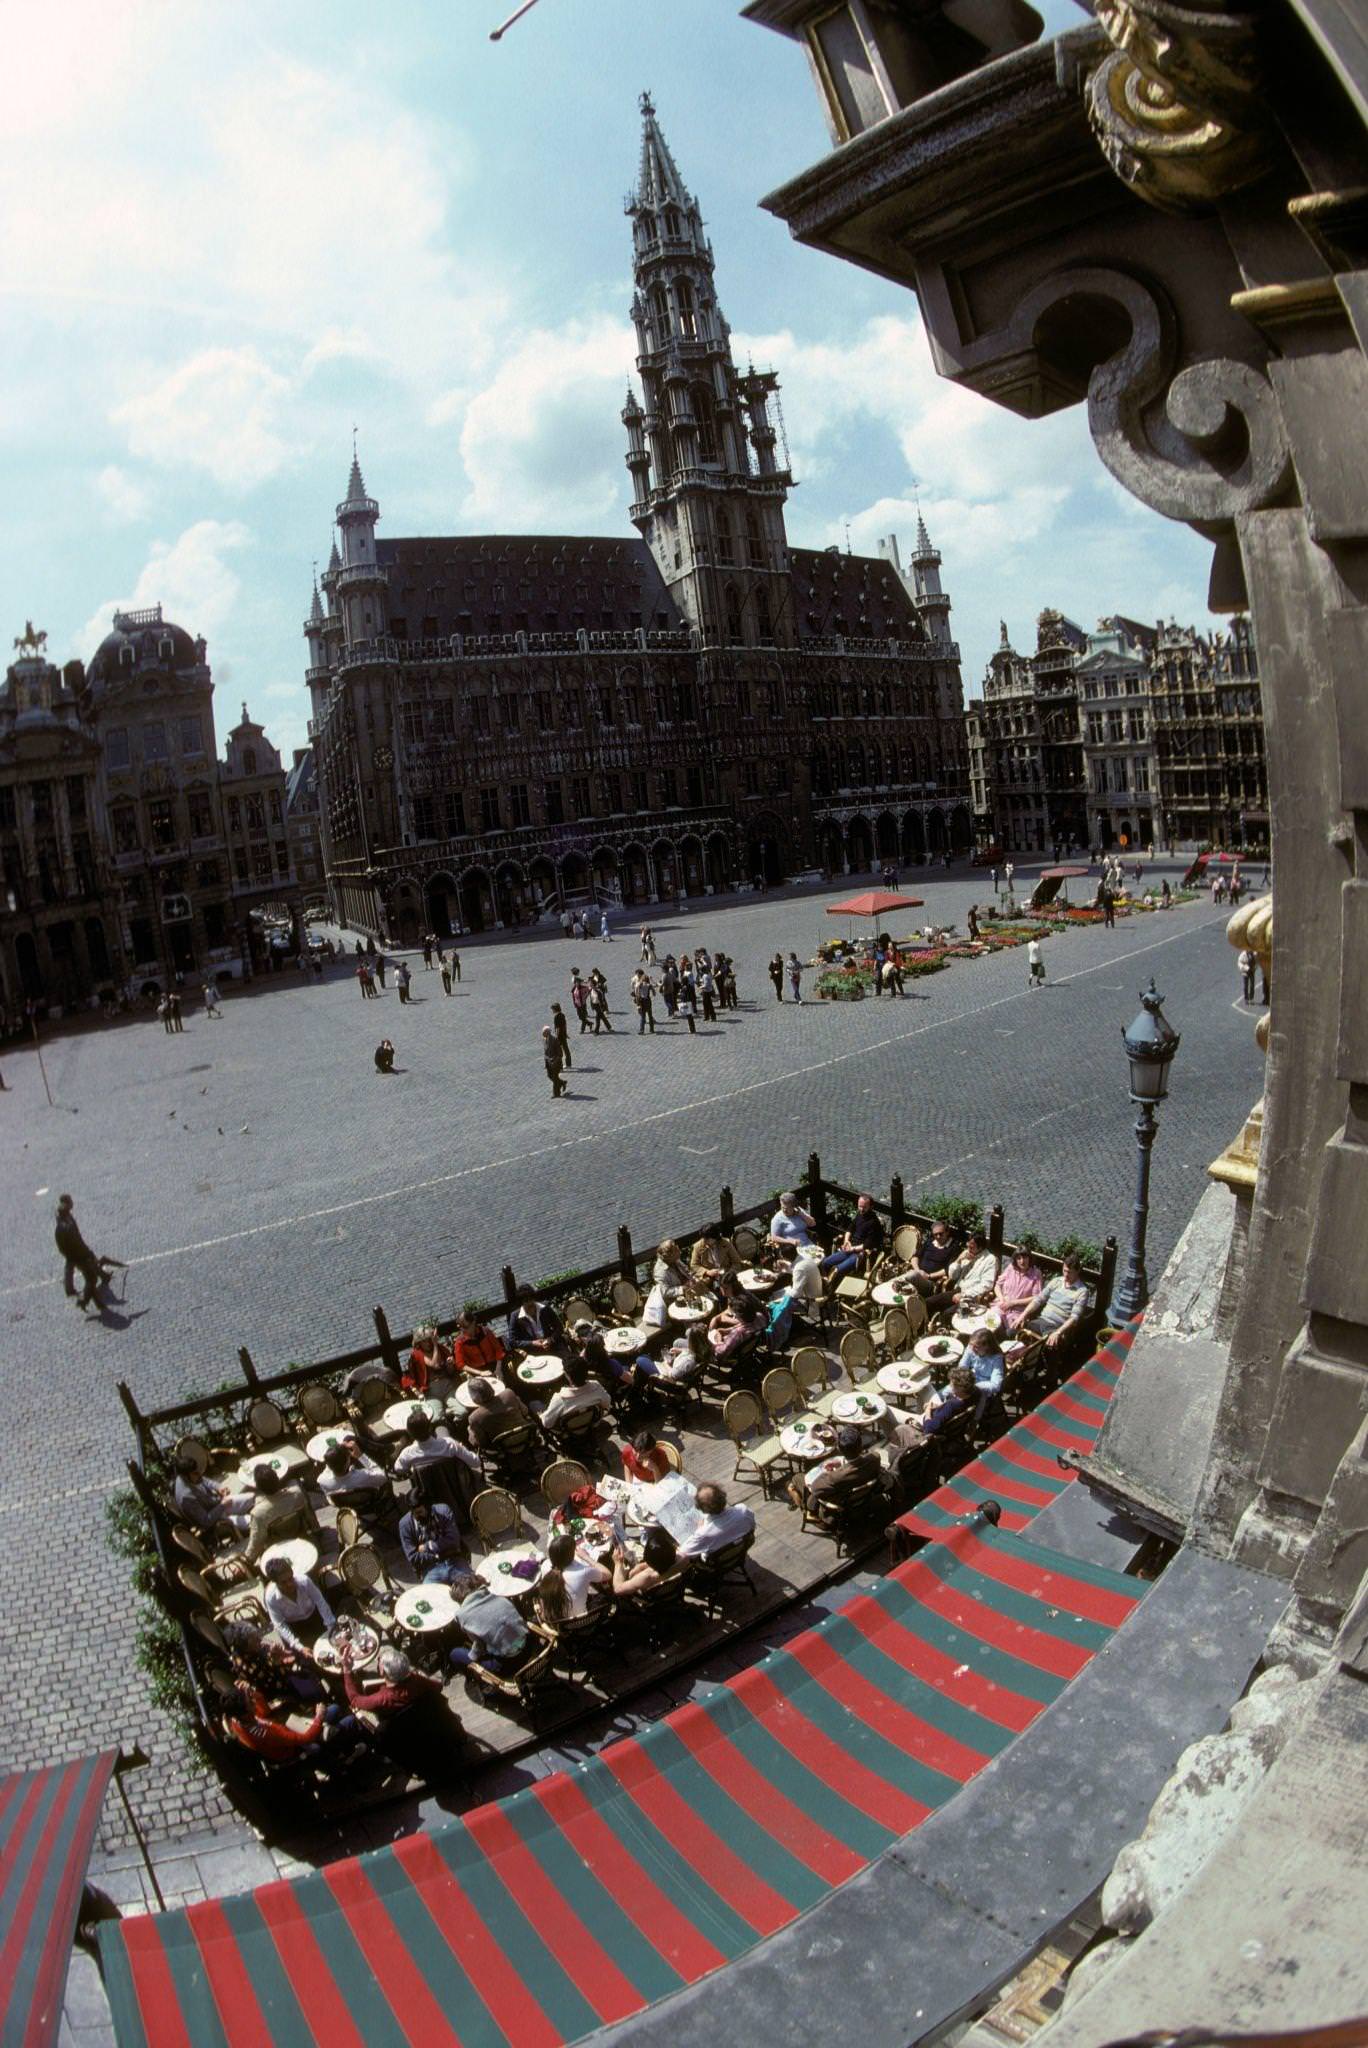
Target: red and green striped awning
x=1021 y=1470
x=47 y=1823
x=586 y=1897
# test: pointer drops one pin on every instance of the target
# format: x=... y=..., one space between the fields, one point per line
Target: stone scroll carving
x=1177 y=107
x=1205 y=444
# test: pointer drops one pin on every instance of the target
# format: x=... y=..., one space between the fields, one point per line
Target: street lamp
x=1150 y=1043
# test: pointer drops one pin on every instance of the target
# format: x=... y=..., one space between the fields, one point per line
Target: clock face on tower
x=384 y=757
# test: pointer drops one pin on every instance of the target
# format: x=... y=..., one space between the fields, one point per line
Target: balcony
x=208 y=842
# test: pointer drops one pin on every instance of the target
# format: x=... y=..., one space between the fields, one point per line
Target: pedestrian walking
x=1248 y=963
x=643 y=989
x=565 y=924
x=562 y=1031
x=605 y=936
x=427 y=951
x=688 y=1000
x=579 y=998
x=776 y=975
x=551 y=1057
x=211 y=998
x=973 y=921
x=1108 y=902
x=1035 y=964
x=317 y=960
x=380 y=969
x=446 y=976
x=364 y=978
x=648 y=946
x=995 y=881
x=1007 y=874
x=77 y=1257
x=174 y=1001
x=1165 y=895
x=795 y=975
x=384 y=1057
x=456 y=963
x=598 y=1002
x=707 y=989
x=669 y=985
x=402 y=978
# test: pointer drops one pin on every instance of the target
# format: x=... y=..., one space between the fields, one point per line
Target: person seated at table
x=534 y=1325
x=430 y=1538
x=805 y=1283
x=829 y=1482
x=659 y=1555
x=935 y=1256
x=736 y=1324
x=296 y=1606
x=719 y=1525
x=494 y=1411
x=1018 y=1285
x=861 y=1244
x=983 y=1356
x=645 y=1458
x=496 y=1634
x=249 y=1719
x=669 y=1272
x=684 y=1360
x=973 y=1275
x=348 y=1475
x=428 y=1359
x=277 y=1504
x=266 y=1667
x=400 y=1686
x=598 y=1360
x=477 y=1348
x=203 y=1504
x=711 y=1257
x=1056 y=1312
x=384 y=1056
x=372 y=1369
x=790 y=1226
x=578 y=1391
x=940 y=1409
x=564 y=1592
x=428 y=1446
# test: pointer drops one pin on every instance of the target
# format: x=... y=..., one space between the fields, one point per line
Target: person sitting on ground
x=428 y=1360
x=204 y=1505
x=719 y=1525
x=986 y=1362
x=430 y=1538
x=658 y=1556
x=790 y=1226
x=295 y=1606
x=496 y=1634
x=935 y=1256
x=973 y=1275
x=830 y=1482
x=384 y=1057
x=494 y=1411
x=276 y=1503
x=267 y=1667
x=861 y=1244
x=534 y=1325
x=1056 y=1312
x=349 y=1475
x=645 y=1458
x=477 y=1349
x=712 y=1256
x=1018 y=1285
x=578 y=1392
x=669 y=1272
x=684 y=1359
x=564 y=1591
x=428 y=1446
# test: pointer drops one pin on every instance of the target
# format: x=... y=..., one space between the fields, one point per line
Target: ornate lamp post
x=1150 y=1043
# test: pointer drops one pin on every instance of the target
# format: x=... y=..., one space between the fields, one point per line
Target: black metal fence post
x=1106 y=1273
x=897 y=1203
x=726 y=1208
x=626 y=1256
x=510 y=1285
x=389 y=1350
x=249 y=1371
x=816 y=1190
x=995 y=1230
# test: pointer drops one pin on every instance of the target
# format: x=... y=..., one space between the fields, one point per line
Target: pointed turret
x=658 y=179
x=356 y=488
x=361 y=584
x=931 y=601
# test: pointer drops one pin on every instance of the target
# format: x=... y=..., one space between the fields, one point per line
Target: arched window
x=875 y=764
x=673 y=227
x=754 y=545
x=705 y=414
x=684 y=307
x=249 y=766
x=763 y=623
x=856 y=756
x=733 y=613
x=725 y=550
x=660 y=315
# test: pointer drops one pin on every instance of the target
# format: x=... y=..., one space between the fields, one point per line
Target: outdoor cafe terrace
x=867 y=1356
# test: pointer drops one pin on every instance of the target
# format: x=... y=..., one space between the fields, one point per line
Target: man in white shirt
x=579 y=1391
x=973 y=1275
x=719 y=1524
x=347 y=1473
x=1058 y=1310
x=790 y=1226
x=299 y=1614
x=1036 y=977
x=426 y=1447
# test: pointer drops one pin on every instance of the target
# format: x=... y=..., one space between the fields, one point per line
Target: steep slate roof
x=559 y=582
x=861 y=596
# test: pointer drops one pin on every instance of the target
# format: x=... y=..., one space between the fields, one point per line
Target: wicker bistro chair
x=906 y=1244
x=578 y=1430
x=206 y=1460
x=854 y=1297
x=743 y=1418
x=780 y=1393
x=495 y=1513
x=577 y=1310
x=364 y=1575
x=318 y=1405
x=893 y=1335
x=849 y=1512
x=746 y=1243
x=218 y=1572
x=581 y=1637
x=349 y=1530
x=653 y=1617
x=207 y=1629
x=858 y=1356
x=266 y=1422
x=708 y=1575
x=809 y=1368
x=561 y=1479
x=1025 y=1376
x=514 y=1452
x=518 y=1688
x=625 y=1296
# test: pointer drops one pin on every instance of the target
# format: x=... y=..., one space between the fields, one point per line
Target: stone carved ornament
x=1214 y=448
x=1177 y=107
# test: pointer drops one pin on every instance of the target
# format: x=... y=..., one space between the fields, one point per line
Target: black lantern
x=1150 y=1043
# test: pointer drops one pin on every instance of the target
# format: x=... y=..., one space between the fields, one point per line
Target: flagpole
x=517 y=15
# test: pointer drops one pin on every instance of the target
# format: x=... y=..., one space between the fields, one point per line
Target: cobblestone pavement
x=268 y=1188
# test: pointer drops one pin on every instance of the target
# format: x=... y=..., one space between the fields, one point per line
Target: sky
x=232 y=235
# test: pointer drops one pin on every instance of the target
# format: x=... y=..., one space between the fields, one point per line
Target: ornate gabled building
x=1208 y=726
x=252 y=791
x=505 y=722
x=59 y=908
x=1024 y=744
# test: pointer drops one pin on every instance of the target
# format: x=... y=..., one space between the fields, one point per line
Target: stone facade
x=508 y=723
x=252 y=790
x=1207 y=721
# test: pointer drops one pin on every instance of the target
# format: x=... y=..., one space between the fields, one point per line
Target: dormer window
x=166 y=647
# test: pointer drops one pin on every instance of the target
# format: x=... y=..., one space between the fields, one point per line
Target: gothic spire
x=356 y=488
x=658 y=179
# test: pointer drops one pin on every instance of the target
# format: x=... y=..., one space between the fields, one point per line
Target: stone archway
x=886 y=836
x=935 y=831
x=541 y=879
x=913 y=836
x=831 y=849
x=718 y=860
x=665 y=861
x=477 y=900
x=405 y=907
x=634 y=873
x=607 y=875
x=860 y=841
x=961 y=830
x=691 y=863
x=574 y=869
x=510 y=893
x=443 y=904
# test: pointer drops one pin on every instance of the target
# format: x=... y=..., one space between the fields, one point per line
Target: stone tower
x=360 y=582
x=708 y=495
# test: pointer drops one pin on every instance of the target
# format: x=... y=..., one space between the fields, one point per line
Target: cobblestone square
x=268 y=1187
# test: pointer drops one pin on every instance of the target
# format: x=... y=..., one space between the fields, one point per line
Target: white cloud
x=533 y=440
x=125 y=497
x=190 y=578
x=217 y=411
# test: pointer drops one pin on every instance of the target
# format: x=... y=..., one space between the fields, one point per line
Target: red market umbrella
x=873 y=903
x=1060 y=874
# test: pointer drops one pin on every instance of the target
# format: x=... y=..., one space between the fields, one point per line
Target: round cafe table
x=498 y=1574
x=282 y=1462
x=397 y=1415
x=937 y=1351
x=425 y=1610
x=462 y=1399
x=905 y=1376
x=756 y=1280
x=893 y=1293
x=365 y=1649
x=625 y=1340
x=861 y=1407
x=691 y=1311
x=302 y=1554
x=328 y=1439
x=978 y=1319
x=541 y=1370
x=806 y=1439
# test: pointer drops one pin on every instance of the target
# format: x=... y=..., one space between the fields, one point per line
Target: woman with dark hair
x=658 y=1556
x=565 y=1590
x=645 y=1458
